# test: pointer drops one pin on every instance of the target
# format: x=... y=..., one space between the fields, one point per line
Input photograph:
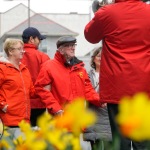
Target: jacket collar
x=4 y=60
x=74 y=63
x=30 y=46
x=60 y=57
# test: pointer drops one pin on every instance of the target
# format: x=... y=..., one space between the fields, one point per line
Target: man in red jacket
x=33 y=59
x=64 y=79
x=124 y=28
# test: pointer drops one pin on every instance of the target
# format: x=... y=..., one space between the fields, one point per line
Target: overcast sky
x=50 y=6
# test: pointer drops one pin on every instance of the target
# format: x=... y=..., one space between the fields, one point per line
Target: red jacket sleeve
x=32 y=90
x=44 y=79
x=94 y=30
x=2 y=100
x=90 y=94
x=45 y=58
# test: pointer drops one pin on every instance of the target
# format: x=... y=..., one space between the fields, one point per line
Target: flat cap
x=65 y=39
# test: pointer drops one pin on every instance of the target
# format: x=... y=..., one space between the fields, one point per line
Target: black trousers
x=35 y=113
x=125 y=143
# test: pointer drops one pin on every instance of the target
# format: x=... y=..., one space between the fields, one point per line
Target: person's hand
x=59 y=113
x=103 y=105
x=4 y=109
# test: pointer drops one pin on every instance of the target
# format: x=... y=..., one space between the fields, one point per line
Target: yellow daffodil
x=76 y=117
x=5 y=133
x=76 y=143
x=133 y=117
x=58 y=133
x=24 y=126
x=30 y=141
x=4 y=144
x=19 y=140
x=58 y=137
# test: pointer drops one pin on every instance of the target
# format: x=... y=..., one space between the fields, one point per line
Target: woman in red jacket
x=124 y=28
x=16 y=86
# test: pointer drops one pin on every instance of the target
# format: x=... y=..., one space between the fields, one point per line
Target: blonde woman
x=16 y=86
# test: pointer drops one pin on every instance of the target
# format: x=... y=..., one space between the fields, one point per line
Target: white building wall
x=75 y=22
x=50 y=45
x=86 y=60
x=13 y=17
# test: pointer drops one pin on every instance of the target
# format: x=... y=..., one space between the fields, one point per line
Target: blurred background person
x=101 y=131
x=16 y=87
x=33 y=59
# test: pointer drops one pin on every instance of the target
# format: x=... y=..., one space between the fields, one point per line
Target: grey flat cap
x=65 y=39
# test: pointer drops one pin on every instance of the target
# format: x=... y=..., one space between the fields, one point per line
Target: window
x=43 y=46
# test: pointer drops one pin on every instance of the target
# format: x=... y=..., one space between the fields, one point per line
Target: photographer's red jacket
x=124 y=28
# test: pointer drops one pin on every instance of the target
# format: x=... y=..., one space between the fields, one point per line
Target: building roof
x=44 y=25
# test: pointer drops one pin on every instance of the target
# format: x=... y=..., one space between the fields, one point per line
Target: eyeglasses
x=70 y=45
x=19 y=49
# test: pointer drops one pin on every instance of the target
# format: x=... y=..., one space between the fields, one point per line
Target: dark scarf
x=62 y=59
